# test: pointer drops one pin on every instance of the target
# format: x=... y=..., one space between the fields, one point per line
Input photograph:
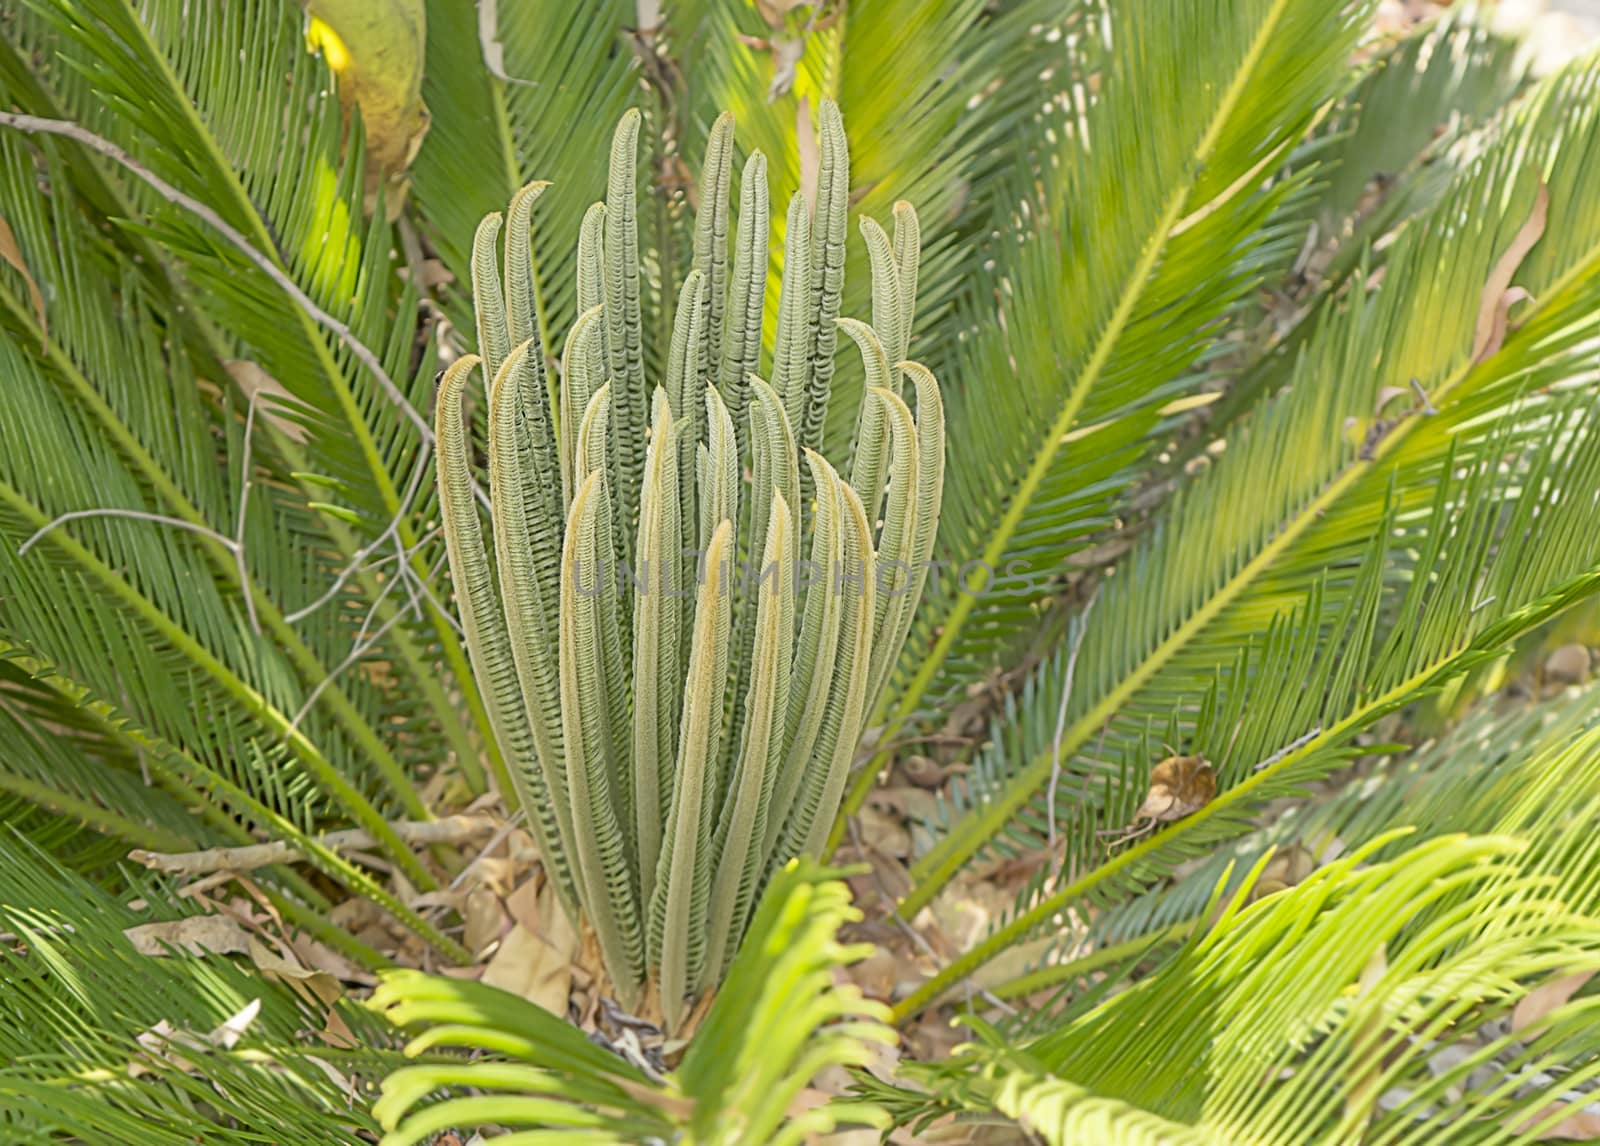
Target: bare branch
x=132 y=514
x=450 y=830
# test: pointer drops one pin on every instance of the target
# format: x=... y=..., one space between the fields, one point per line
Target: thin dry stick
x=132 y=514
x=421 y=833
x=1061 y=719
x=359 y=558
x=365 y=644
x=34 y=124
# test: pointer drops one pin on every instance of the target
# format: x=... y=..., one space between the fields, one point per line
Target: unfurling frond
x=680 y=722
x=781 y=1017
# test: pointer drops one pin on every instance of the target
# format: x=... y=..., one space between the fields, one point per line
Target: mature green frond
x=780 y=1018
x=104 y=1045
x=1125 y=229
x=151 y=83
x=1388 y=150
x=1298 y=496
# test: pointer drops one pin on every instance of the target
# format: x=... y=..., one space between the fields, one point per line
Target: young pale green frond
x=781 y=1017
x=1342 y=1009
x=693 y=722
x=500 y=634
x=1302 y=488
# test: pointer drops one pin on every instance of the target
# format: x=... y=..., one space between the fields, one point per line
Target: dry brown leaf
x=486 y=920
x=12 y=253
x=273 y=397
x=535 y=959
x=1501 y=324
x=1531 y=231
x=1541 y=1001
x=1179 y=785
x=320 y=957
x=195 y=935
x=773 y=11
x=1570 y=664
x=318 y=989
x=884 y=831
x=1579 y=1126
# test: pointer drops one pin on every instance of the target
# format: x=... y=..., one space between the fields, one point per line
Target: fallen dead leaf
x=535 y=959
x=12 y=253
x=486 y=920
x=1581 y=1125
x=194 y=935
x=318 y=989
x=773 y=11
x=884 y=831
x=1542 y=1000
x=1502 y=319
x=1570 y=664
x=1499 y=282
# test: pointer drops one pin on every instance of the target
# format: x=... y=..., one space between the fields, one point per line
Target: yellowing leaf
x=11 y=253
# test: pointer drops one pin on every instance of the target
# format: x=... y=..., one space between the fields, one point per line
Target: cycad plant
x=1269 y=334
x=678 y=696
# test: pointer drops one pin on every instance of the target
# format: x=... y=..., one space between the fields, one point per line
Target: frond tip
x=683 y=719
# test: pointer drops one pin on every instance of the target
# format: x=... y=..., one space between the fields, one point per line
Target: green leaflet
x=681 y=724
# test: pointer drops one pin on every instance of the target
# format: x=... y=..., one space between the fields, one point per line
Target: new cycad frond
x=780 y=1018
x=678 y=692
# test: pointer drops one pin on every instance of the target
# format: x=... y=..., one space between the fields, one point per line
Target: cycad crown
x=676 y=721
